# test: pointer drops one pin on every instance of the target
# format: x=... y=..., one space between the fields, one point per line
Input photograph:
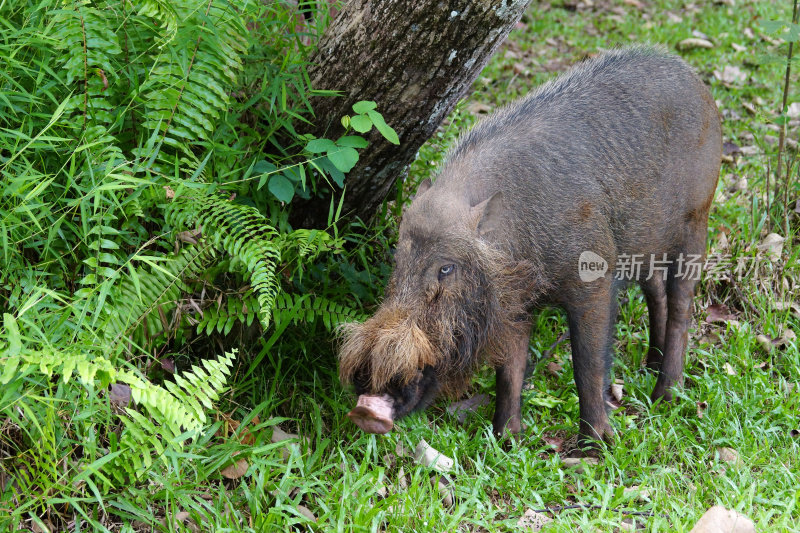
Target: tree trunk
x=415 y=59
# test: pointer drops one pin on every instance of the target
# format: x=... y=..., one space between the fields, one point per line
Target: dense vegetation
x=161 y=318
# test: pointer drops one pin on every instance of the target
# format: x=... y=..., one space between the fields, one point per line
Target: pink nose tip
x=373 y=413
x=370 y=421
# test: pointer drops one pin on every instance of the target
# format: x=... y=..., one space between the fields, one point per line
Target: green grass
x=669 y=452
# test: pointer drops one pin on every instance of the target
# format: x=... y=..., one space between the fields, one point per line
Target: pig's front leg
x=510 y=375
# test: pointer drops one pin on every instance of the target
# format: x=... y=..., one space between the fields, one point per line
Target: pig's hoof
x=664 y=395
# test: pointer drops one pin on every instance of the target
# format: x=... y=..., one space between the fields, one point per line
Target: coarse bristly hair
x=453 y=329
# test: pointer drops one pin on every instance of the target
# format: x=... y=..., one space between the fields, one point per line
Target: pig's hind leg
x=591 y=312
x=655 y=293
x=680 y=293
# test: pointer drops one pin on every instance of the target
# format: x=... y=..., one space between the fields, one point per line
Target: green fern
x=172 y=410
x=139 y=303
x=308 y=308
x=242 y=232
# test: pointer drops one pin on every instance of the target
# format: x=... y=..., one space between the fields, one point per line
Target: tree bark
x=415 y=59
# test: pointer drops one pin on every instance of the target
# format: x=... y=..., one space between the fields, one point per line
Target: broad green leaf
x=281 y=188
x=12 y=333
x=317 y=146
x=336 y=175
x=364 y=106
x=361 y=123
x=262 y=167
x=343 y=158
x=386 y=130
x=353 y=141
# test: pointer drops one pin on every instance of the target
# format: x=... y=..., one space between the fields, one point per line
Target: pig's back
x=611 y=156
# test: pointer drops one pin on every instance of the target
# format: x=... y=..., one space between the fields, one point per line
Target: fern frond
x=242 y=232
x=139 y=303
x=166 y=413
x=308 y=308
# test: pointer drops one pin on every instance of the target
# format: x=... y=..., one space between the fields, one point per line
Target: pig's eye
x=446 y=271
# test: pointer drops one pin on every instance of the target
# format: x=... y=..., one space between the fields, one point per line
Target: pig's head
x=452 y=299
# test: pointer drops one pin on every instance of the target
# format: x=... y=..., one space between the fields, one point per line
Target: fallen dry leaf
x=445 y=489
x=428 y=456
x=464 y=408
x=477 y=108
x=772 y=245
x=636 y=492
x=729 y=369
x=279 y=435
x=554 y=368
x=616 y=391
x=120 y=394
x=533 y=521
x=701 y=406
x=303 y=510
x=731 y=75
x=235 y=470
x=694 y=42
x=728 y=455
x=738 y=47
x=721 y=520
x=764 y=342
x=556 y=443
x=719 y=313
x=169 y=192
x=579 y=463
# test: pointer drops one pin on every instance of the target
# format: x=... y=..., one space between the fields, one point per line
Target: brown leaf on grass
x=729 y=148
x=701 y=407
x=719 y=519
x=191 y=236
x=235 y=470
x=772 y=245
x=764 y=342
x=443 y=484
x=694 y=42
x=617 y=389
x=532 y=521
x=278 y=435
x=579 y=463
x=554 y=442
x=428 y=456
x=168 y=365
x=719 y=313
x=120 y=395
x=183 y=518
x=787 y=337
x=477 y=108
x=303 y=510
x=728 y=455
x=462 y=409
x=637 y=493
x=731 y=75
x=554 y=368
x=787 y=306
x=169 y=192
x=729 y=369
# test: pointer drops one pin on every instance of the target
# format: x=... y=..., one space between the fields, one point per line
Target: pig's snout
x=373 y=414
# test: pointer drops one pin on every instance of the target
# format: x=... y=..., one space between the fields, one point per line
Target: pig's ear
x=423 y=188
x=488 y=215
